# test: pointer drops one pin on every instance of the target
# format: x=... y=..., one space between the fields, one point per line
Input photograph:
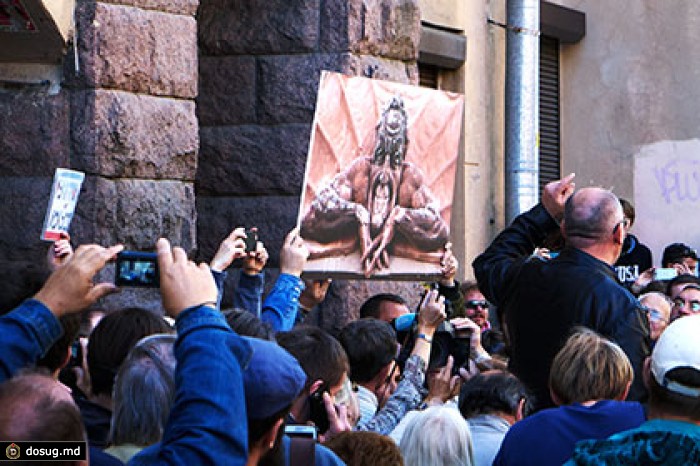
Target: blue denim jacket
x=26 y=333
x=248 y=293
x=207 y=422
x=281 y=305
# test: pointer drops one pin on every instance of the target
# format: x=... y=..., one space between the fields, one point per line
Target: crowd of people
x=570 y=347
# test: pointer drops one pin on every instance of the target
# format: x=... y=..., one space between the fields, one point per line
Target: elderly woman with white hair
x=438 y=436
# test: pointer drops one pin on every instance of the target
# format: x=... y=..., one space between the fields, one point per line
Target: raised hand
x=70 y=288
x=555 y=195
x=449 y=268
x=59 y=252
x=294 y=254
x=183 y=283
x=254 y=261
x=230 y=249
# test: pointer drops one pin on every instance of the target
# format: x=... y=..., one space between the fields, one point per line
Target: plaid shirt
x=408 y=396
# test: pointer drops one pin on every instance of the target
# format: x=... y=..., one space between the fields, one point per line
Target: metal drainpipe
x=522 y=107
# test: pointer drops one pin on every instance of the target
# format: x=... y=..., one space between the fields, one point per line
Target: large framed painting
x=379 y=183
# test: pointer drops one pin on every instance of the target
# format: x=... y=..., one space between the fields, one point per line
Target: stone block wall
x=125 y=115
x=260 y=65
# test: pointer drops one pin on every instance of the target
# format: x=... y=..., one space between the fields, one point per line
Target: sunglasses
x=474 y=303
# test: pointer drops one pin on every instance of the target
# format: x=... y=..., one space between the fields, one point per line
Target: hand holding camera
x=230 y=249
x=183 y=284
x=432 y=310
x=466 y=326
x=444 y=385
x=71 y=288
x=256 y=256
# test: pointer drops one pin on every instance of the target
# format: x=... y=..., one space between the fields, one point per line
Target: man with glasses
x=542 y=301
x=477 y=309
x=475 y=305
x=658 y=308
x=687 y=302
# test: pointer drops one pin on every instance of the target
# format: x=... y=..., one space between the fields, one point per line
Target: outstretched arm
x=207 y=424
x=30 y=329
x=516 y=243
x=282 y=304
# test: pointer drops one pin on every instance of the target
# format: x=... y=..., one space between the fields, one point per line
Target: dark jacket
x=541 y=301
x=634 y=259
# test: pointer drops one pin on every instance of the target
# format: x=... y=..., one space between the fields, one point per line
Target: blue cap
x=272 y=379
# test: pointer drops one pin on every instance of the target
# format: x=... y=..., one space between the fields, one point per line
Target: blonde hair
x=589 y=367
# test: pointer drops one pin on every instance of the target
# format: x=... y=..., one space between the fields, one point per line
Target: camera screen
x=137 y=269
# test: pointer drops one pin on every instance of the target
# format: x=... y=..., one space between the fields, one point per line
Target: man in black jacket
x=540 y=301
x=635 y=257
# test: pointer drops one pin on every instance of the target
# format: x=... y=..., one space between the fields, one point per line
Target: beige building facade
x=627 y=89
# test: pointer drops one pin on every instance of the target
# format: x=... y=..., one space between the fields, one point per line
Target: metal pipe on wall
x=522 y=107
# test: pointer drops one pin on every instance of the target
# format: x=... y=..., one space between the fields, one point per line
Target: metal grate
x=428 y=75
x=550 y=167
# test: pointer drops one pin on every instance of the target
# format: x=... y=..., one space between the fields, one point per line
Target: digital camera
x=137 y=269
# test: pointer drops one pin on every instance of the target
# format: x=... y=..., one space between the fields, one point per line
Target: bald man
x=37 y=407
x=541 y=301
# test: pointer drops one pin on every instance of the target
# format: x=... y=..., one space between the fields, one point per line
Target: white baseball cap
x=677 y=347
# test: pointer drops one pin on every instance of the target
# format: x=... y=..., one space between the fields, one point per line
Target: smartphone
x=251 y=239
x=135 y=268
x=301 y=431
x=665 y=274
x=318 y=414
x=76 y=354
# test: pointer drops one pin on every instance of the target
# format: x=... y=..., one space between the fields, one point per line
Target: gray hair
x=438 y=436
x=590 y=214
x=143 y=392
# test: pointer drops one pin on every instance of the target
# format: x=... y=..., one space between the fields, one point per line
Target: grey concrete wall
x=629 y=84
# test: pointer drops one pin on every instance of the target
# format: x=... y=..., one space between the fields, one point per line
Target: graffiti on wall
x=667 y=194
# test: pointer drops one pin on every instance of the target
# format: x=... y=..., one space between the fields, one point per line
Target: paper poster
x=64 y=197
x=380 y=175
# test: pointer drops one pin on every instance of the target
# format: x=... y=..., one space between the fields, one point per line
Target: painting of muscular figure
x=380 y=178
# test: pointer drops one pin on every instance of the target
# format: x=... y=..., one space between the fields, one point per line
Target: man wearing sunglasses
x=542 y=301
x=477 y=309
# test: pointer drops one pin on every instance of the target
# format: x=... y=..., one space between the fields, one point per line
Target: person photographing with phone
x=326 y=366
x=371 y=347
